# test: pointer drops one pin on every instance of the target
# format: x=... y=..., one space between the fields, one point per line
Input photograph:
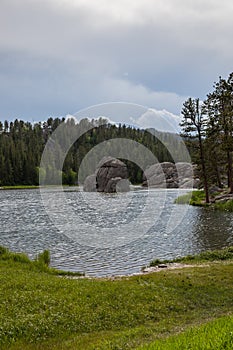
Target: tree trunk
x=206 y=188
x=220 y=185
x=217 y=172
x=230 y=173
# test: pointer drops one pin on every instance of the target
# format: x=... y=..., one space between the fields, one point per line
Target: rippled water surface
x=108 y=234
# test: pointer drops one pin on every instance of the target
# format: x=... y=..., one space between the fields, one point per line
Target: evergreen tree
x=193 y=127
x=219 y=106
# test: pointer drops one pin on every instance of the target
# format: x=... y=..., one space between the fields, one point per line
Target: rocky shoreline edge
x=144 y=271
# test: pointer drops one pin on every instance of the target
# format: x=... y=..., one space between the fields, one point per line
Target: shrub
x=44 y=258
x=5 y=254
x=193 y=198
x=3 y=250
x=228 y=206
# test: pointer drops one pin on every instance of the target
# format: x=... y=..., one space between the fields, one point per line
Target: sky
x=61 y=56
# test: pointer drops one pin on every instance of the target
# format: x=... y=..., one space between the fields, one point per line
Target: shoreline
x=32 y=187
x=38 y=308
x=145 y=271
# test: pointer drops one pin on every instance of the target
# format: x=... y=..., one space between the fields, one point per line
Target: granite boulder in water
x=111 y=176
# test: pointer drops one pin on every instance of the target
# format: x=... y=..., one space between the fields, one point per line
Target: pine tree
x=219 y=105
x=193 y=127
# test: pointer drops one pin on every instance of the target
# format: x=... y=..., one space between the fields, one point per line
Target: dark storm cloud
x=59 y=56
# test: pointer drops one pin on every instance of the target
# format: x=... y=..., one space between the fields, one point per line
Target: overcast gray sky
x=59 y=56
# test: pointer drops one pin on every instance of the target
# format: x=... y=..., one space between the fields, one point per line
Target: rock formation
x=111 y=176
x=90 y=183
x=170 y=175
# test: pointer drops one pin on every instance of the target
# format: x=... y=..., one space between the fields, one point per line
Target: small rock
x=90 y=184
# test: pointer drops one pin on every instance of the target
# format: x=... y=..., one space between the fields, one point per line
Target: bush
x=192 y=198
x=3 y=250
x=228 y=206
x=5 y=254
x=44 y=258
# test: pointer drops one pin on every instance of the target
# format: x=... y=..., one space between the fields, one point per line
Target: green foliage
x=193 y=127
x=21 y=187
x=208 y=131
x=212 y=255
x=197 y=198
x=41 y=263
x=44 y=258
x=3 y=250
x=193 y=198
x=228 y=206
x=38 y=310
x=5 y=254
x=22 y=145
x=70 y=178
x=217 y=335
x=219 y=110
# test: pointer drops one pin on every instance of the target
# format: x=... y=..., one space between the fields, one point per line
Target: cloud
x=126 y=91
x=58 y=56
x=132 y=114
x=161 y=120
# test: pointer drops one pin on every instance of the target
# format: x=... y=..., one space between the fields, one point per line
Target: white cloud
x=161 y=120
x=123 y=90
x=131 y=114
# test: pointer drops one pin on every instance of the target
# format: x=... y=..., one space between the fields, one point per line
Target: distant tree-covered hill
x=22 y=144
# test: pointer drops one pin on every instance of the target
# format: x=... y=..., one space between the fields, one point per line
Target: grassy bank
x=32 y=187
x=193 y=198
x=40 y=264
x=227 y=206
x=40 y=310
x=207 y=256
x=21 y=187
x=217 y=335
x=197 y=198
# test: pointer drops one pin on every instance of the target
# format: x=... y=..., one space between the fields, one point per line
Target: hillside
x=22 y=145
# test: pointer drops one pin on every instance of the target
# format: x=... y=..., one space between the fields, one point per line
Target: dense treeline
x=206 y=126
x=22 y=144
x=208 y=130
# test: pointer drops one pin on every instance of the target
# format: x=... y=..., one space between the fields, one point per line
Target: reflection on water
x=26 y=227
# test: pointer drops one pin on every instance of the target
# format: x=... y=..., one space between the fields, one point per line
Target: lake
x=103 y=234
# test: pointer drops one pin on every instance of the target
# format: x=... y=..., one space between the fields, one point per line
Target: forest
x=206 y=128
x=22 y=144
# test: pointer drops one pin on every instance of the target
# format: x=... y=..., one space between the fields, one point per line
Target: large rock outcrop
x=111 y=176
x=170 y=175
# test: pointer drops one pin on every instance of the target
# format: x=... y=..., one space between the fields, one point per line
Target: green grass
x=40 y=310
x=215 y=335
x=19 y=187
x=41 y=263
x=212 y=255
x=30 y=187
x=197 y=198
x=193 y=198
x=228 y=206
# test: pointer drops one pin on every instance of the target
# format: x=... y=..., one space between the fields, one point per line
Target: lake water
x=108 y=234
